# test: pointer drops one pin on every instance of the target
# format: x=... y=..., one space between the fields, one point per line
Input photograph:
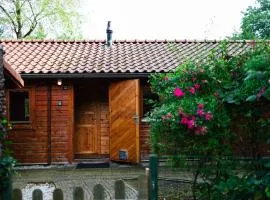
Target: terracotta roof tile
x=51 y=56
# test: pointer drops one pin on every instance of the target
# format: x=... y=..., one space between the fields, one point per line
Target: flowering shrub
x=200 y=107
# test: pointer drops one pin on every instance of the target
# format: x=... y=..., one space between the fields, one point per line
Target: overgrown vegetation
x=7 y=162
x=206 y=111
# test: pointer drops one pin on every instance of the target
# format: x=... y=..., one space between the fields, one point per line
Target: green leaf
x=232 y=182
x=250 y=75
x=266 y=94
x=230 y=99
x=251 y=98
x=212 y=142
x=4 y=121
x=267 y=191
x=268 y=141
x=267 y=165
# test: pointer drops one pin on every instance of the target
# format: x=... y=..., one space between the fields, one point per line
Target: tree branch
x=31 y=29
x=34 y=22
x=10 y=18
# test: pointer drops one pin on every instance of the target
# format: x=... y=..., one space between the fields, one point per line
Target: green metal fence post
x=153 y=183
x=7 y=194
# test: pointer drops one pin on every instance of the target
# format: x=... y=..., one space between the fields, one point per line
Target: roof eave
x=85 y=75
x=13 y=75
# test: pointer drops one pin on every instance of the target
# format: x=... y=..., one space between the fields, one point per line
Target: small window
x=19 y=106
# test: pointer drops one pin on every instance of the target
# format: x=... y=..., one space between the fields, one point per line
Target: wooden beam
x=13 y=75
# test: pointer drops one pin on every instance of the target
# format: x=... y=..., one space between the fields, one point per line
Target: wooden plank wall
x=30 y=142
x=62 y=123
x=104 y=128
x=144 y=140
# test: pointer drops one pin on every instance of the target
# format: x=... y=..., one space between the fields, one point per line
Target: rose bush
x=196 y=115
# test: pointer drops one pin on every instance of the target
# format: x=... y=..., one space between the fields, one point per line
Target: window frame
x=22 y=124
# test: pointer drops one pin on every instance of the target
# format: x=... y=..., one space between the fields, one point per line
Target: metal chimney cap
x=109 y=34
x=109 y=30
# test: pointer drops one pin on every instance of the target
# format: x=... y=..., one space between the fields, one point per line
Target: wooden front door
x=86 y=131
x=124 y=120
x=91 y=120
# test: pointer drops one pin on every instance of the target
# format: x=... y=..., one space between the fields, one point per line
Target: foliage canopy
x=256 y=22
x=39 y=18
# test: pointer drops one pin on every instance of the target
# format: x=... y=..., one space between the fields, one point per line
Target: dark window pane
x=148 y=98
x=19 y=106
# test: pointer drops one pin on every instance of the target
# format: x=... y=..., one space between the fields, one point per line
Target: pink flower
x=194 y=79
x=184 y=120
x=191 y=124
x=200 y=112
x=197 y=86
x=178 y=92
x=200 y=106
x=192 y=90
x=202 y=130
x=166 y=78
x=208 y=116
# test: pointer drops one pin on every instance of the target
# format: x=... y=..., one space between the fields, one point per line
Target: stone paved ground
x=68 y=177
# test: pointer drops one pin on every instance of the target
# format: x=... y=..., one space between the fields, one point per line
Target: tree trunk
x=18 y=19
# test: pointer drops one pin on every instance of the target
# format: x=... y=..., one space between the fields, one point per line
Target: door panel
x=86 y=139
x=124 y=123
x=91 y=120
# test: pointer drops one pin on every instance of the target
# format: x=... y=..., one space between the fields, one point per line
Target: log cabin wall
x=62 y=122
x=33 y=142
x=144 y=140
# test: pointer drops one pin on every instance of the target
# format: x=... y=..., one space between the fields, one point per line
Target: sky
x=163 y=19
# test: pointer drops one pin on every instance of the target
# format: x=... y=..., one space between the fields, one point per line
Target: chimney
x=109 y=34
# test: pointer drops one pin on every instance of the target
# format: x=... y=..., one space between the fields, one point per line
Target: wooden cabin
x=85 y=99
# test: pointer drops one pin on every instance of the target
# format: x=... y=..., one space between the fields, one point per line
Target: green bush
x=7 y=162
x=198 y=114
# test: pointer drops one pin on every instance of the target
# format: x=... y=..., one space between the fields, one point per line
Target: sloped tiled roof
x=76 y=57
